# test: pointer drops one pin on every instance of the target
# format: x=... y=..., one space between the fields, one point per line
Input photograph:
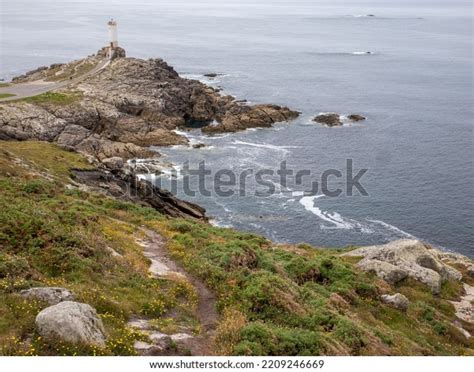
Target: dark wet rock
x=333 y=119
x=127 y=186
x=329 y=119
x=356 y=117
x=241 y=117
x=199 y=145
x=165 y=201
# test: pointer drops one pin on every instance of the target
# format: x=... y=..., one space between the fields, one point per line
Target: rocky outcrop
x=406 y=258
x=36 y=74
x=459 y=261
x=113 y=163
x=128 y=106
x=385 y=270
x=242 y=117
x=117 y=52
x=71 y=322
x=164 y=201
x=398 y=301
x=50 y=295
x=27 y=121
x=470 y=271
x=332 y=119
x=161 y=344
x=464 y=307
x=126 y=185
x=356 y=117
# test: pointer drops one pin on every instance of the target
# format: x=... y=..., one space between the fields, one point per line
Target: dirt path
x=154 y=246
x=464 y=309
x=34 y=88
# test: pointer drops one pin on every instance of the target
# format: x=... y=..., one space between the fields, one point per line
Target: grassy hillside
x=272 y=299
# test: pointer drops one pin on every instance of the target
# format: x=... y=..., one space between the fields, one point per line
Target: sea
x=407 y=66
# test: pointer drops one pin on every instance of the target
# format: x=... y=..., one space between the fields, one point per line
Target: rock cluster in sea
x=332 y=119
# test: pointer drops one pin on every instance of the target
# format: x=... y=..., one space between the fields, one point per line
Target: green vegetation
x=6 y=95
x=42 y=156
x=53 y=236
x=272 y=299
x=69 y=71
x=289 y=300
x=53 y=98
x=4 y=85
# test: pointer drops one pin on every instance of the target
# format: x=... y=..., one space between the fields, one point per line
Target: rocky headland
x=126 y=107
x=116 y=113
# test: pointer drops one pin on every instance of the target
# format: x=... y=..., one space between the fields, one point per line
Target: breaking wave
x=308 y=202
x=265 y=146
x=337 y=221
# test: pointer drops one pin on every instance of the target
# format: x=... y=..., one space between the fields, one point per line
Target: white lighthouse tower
x=112 y=26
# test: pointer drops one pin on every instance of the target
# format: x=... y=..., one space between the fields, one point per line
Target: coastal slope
x=149 y=284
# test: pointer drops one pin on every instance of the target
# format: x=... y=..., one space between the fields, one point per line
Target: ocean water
x=414 y=87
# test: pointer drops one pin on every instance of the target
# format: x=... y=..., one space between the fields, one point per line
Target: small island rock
x=356 y=117
x=330 y=119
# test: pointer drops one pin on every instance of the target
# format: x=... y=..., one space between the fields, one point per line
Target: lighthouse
x=113 y=50
x=112 y=26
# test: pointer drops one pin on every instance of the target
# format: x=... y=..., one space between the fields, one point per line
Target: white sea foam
x=308 y=202
x=220 y=223
x=143 y=177
x=204 y=79
x=217 y=136
x=173 y=171
x=181 y=133
x=297 y=193
x=334 y=218
x=393 y=228
x=339 y=222
x=266 y=146
x=362 y=15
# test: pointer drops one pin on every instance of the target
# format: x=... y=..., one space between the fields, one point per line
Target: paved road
x=24 y=90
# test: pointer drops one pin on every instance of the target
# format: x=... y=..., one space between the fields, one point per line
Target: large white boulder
x=406 y=258
x=72 y=322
